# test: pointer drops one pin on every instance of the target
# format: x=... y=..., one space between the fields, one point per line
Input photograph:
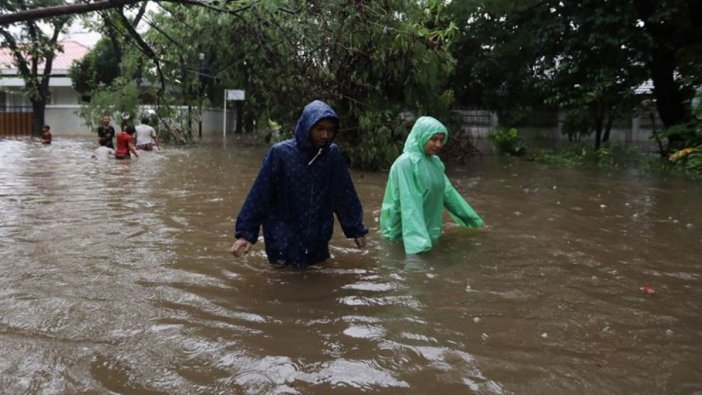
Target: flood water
x=115 y=277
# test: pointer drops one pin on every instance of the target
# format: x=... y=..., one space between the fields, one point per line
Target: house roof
x=72 y=50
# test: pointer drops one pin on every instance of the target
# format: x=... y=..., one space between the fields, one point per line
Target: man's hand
x=360 y=241
x=240 y=247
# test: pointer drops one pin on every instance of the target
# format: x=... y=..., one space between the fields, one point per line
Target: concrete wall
x=64 y=121
x=213 y=122
x=64 y=95
x=476 y=124
x=60 y=95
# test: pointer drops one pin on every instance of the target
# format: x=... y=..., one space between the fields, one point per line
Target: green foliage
x=507 y=141
x=113 y=100
x=609 y=156
x=688 y=158
x=685 y=159
x=367 y=59
x=576 y=55
x=173 y=125
x=576 y=124
x=99 y=67
x=685 y=135
x=32 y=45
x=379 y=142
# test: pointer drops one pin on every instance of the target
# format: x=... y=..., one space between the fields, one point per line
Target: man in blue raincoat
x=302 y=183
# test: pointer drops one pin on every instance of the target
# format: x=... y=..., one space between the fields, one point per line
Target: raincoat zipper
x=315 y=157
x=309 y=230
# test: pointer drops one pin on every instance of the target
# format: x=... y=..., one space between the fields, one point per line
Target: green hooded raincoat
x=417 y=192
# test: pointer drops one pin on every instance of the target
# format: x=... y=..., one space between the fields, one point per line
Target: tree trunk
x=38 y=117
x=608 y=128
x=598 y=130
x=654 y=132
x=663 y=62
x=39 y=101
x=598 y=136
x=669 y=100
x=239 y=117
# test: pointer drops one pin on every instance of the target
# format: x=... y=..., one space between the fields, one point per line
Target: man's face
x=322 y=132
x=434 y=144
x=105 y=120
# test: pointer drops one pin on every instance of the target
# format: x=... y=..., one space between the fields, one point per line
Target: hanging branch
x=146 y=50
x=83 y=8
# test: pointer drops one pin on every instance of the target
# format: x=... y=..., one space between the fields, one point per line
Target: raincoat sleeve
x=415 y=235
x=252 y=213
x=458 y=208
x=347 y=206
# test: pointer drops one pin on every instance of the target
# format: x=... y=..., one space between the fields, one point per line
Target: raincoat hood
x=421 y=132
x=311 y=114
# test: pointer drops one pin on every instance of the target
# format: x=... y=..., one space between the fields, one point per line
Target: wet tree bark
x=667 y=38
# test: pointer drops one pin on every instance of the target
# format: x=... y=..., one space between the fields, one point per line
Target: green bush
x=377 y=141
x=507 y=141
x=609 y=156
x=688 y=155
x=112 y=100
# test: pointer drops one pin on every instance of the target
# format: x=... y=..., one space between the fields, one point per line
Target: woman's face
x=434 y=144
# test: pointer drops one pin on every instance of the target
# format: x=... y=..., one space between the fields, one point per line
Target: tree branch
x=83 y=8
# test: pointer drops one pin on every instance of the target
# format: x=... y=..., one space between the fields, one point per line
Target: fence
x=16 y=121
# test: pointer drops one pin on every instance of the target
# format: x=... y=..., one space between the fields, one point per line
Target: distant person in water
x=106 y=131
x=146 y=137
x=103 y=152
x=127 y=126
x=46 y=135
x=125 y=144
x=418 y=191
x=302 y=183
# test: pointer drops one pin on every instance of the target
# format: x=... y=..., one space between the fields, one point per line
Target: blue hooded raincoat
x=296 y=193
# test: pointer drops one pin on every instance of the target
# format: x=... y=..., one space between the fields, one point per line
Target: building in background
x=15 y=108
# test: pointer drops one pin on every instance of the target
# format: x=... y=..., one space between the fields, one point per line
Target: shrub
x=507 y=141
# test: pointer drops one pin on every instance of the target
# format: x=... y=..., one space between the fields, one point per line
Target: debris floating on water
x=648 y=289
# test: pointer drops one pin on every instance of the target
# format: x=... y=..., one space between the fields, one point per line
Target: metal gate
x=15 y=121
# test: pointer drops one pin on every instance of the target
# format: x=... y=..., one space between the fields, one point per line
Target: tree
x=366 y=58
x=496 y=52
x=674 y=28
x=99 y=67
x=580 y=55
x=593 y=62
x=38 y=10
x=33 y=47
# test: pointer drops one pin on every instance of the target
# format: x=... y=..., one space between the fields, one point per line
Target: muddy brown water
x=115 y=278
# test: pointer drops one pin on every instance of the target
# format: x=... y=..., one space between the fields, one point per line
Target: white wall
x=64 y=95
x=59 y=96
x=15 y=98
x=64 y=121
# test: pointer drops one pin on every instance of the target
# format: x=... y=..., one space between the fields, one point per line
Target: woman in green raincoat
x=418 y=190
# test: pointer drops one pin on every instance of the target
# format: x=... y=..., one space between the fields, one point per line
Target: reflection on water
x=115 y=276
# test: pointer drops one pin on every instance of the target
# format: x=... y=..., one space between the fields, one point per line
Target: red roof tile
x=71 y=51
